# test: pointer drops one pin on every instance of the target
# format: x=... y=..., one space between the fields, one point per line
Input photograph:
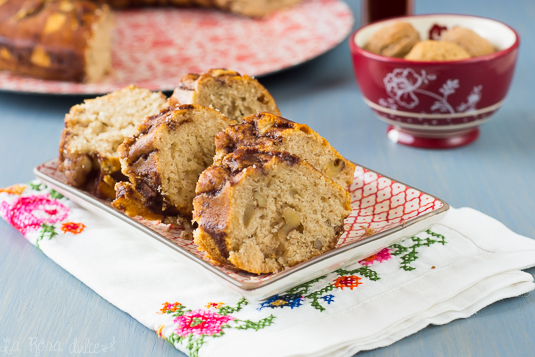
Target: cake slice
x=234 y=95
x=94 y=130
x=164 y=158
x=270 y=132
x=265 y=211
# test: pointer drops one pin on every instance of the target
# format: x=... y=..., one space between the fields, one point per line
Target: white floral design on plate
x=403 y=86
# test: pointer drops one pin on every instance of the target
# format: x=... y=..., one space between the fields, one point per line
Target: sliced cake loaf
x=94 y=130
x=266 y=211
x=67 y=40
x=234 y=95
x=164 y=158
x=269 y=132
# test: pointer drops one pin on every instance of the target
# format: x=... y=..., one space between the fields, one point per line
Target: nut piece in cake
x=431 y=50
x=264 y=211
x=164 y=158
x=234 y=95
x=270 y=132
x=468 y=40
x=395 y=40
x=94 y=130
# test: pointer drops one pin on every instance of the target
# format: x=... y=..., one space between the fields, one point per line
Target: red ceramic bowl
x=436 y=104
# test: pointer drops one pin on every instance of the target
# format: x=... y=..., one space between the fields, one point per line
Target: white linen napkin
x=460 y=265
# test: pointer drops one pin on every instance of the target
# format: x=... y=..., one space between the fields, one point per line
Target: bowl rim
x=491 y=56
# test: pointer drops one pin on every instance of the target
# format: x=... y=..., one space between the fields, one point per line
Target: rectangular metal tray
x=384 y=212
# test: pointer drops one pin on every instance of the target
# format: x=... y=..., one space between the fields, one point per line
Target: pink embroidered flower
x=28 y=213
x=200 y=322
x=380 y=257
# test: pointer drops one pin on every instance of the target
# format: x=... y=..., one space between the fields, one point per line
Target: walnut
x=40 y=57
x=395 y=40
x=54 y=23
x=333 y=168
x=470 y=41
x=260 y=199
x=66 y=6
x=248 y=214
x=31 y=9
x=5 y=54
x=292 y=219
x=436 y=51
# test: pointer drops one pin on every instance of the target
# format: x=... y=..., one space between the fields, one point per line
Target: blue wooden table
x=39 y=301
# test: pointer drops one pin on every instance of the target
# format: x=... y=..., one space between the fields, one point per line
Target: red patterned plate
x=384 y=212
x=155 y=47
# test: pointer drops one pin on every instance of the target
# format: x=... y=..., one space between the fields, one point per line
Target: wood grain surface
x=39 y=301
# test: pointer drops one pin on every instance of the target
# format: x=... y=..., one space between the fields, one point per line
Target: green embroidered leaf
x=55 y=194
x=180 y=310
x=46 y=230
x=398 y=249
x=225 y=310
x=442 y=238
x=36 y=186
x=365 y=271
x=305 y=287
x=248 y=324
x=194 y=344
x=317 y=294
x=412 y=251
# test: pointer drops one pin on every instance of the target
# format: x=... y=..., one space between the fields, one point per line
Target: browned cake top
x=222 y=75
x=132 y=147
x=233 y=165
x=259 y=130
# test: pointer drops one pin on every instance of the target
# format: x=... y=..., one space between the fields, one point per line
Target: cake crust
x=270 y=132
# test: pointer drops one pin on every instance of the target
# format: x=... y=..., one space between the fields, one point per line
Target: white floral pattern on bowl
x=403 y=85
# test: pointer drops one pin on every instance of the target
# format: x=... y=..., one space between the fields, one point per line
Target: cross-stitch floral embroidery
x=412 y=250
x=14 y=190
x=217 y=305
x=37 y=213
x=380 y=257
x=30 y=212
x=200 y=322
x=350 y=281
x=72 y=227
x=170 y=307
x=193 y=327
